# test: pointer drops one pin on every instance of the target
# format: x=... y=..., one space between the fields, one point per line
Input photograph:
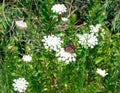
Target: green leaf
x=98 y=60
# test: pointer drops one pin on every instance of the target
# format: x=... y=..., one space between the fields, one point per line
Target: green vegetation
x=42 y=69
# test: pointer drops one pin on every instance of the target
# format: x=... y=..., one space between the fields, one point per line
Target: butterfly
x=70 y=48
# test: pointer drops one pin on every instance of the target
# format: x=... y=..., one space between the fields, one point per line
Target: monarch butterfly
x=70 y=48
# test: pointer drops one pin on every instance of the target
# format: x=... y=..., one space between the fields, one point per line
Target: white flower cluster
x=65 y=56
x=52 y=42
x=20 y=24
x=101 y=72
x=95 y=29
x=27 y=58
x=88 y=40
x=20 y=85
x=59 y=8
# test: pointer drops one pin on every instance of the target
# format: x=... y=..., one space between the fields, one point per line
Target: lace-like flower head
x=52 y=42
x=59 y=8
x=101 y=72
x=67 y=57
x=20 y=85
x=95 y=29
x=27 y=58
x=88 y=40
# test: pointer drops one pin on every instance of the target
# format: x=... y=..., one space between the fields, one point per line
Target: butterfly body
x=70 y=48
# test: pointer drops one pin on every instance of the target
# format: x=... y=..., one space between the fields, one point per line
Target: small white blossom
x=83 y=40
x=27 y=58
x=65 y=56
x=88 y=40
x=59 y=8
x=52 y=42
x=64 y=19
x=101 y=72
x=20 y=85
x=95 y=29
x=20 y=24
x=92 y=40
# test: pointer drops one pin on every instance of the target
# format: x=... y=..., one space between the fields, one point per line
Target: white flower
x=27 y=58
x=64 y=19
x=88 y=40
x=65 y=56
x=101 y=72
x=20 y=24
x=20 y=85
x=92 y=40
x=59 y=8
x=52 y=42
x=95 y=29
x=83 y=40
